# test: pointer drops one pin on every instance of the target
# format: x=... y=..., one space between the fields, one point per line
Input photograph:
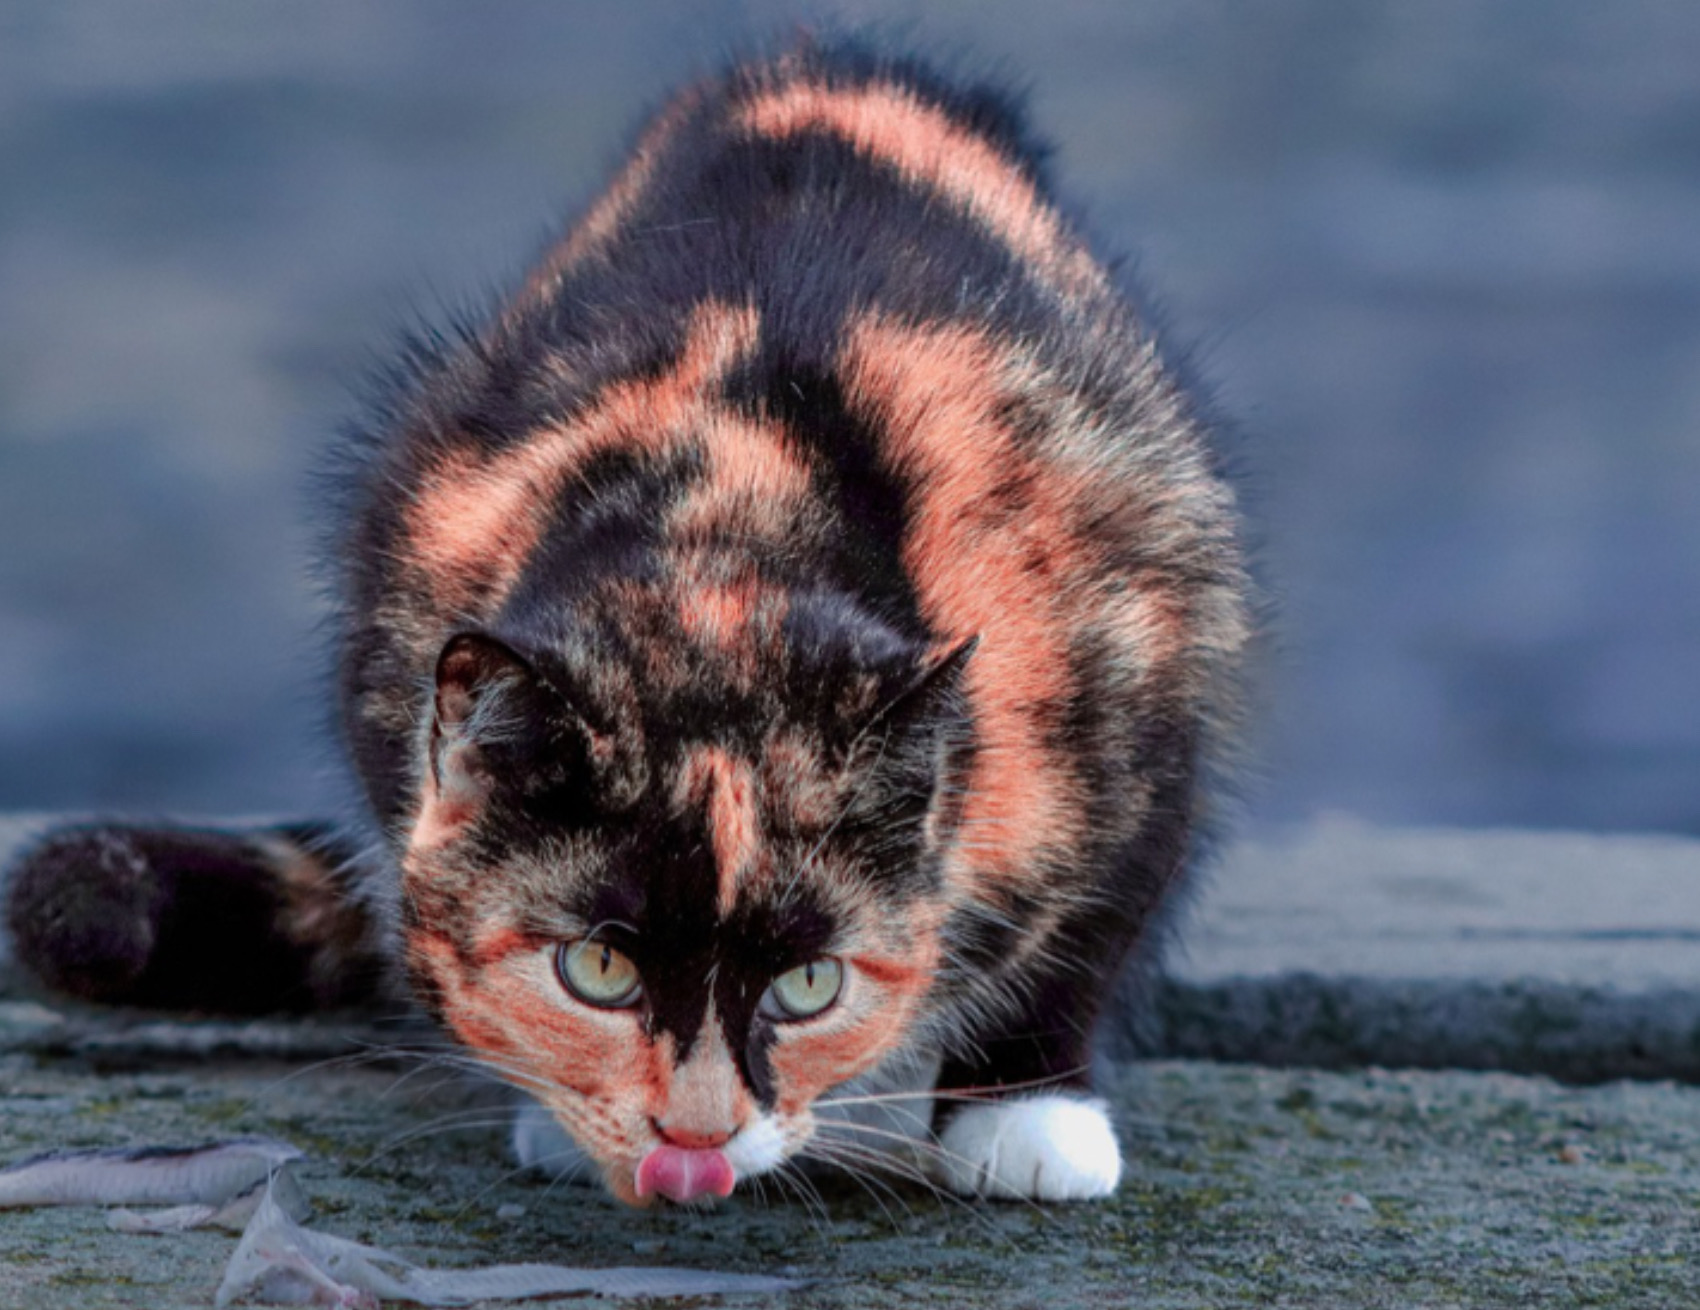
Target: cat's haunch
x=779 y=647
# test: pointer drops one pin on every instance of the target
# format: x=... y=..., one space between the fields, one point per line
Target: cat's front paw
x=542 y=1144
x=1042 y=1148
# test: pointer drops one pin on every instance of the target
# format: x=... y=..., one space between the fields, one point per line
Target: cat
x=784 y=643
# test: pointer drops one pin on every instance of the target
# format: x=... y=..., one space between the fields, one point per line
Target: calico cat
x=782 y=644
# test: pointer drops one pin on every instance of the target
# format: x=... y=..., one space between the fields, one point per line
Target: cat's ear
x=872 y=686
x=475 y=674
x=929 y=693
x=485 y=696
x=503 y=728
x=918 y=744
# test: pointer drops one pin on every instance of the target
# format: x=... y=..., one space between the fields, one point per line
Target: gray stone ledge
x=1344 y=900
x=1341 y=945
x=1577 y=1034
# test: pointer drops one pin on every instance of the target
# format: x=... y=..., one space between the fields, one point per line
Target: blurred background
x=1439 y=263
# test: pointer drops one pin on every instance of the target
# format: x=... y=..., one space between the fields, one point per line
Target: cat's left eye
x=597 y=974
x=805 y=991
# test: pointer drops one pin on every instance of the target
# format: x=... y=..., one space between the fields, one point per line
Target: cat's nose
x=691 y=1139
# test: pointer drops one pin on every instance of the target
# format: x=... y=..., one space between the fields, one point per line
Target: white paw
x=542 y=1144
x=1043 y=1148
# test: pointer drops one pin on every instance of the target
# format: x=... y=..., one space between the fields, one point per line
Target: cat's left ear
x=931 y=696
x=918 y=743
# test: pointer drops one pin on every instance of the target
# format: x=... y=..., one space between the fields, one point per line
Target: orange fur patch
x=473 y=522
x=892 y=125
x=754 y=486
x=905 y=976
x=718 y=615
x=726 y=788
x=475 y=519
x=800 y=792
x=727 y=610
x=441 y=818
x=982 y=566
x=496 y=944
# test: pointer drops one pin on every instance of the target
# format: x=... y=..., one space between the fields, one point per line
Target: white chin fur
x=542 y=1144
x=1042 y=1148
x=758 y=1147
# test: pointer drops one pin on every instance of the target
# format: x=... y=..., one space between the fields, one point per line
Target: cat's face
x=679 y=930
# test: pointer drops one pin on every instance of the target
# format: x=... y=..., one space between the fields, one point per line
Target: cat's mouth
x=693 y=1168
x=685 y=1175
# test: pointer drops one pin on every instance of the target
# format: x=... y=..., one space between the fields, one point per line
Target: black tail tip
x=82 y=908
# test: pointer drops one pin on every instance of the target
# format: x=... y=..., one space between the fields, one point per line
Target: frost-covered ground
x=1439 y=261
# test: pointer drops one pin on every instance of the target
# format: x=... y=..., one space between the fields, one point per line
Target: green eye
x=597 y=974
x=805 y=991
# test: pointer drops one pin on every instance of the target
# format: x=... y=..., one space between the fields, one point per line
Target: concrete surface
x=1245 y=1186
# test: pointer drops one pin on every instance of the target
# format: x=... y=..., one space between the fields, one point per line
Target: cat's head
x=679 y=900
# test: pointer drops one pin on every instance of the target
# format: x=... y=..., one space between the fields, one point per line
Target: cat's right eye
x=805 y=991
x=598 y=974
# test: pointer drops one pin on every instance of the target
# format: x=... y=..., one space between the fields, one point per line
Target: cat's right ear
x=482 y=687
x=506 y=727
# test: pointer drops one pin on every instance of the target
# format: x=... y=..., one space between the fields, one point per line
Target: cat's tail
x=229 y=922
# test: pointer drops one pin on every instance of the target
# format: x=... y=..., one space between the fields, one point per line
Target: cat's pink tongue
x=682 y=1175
